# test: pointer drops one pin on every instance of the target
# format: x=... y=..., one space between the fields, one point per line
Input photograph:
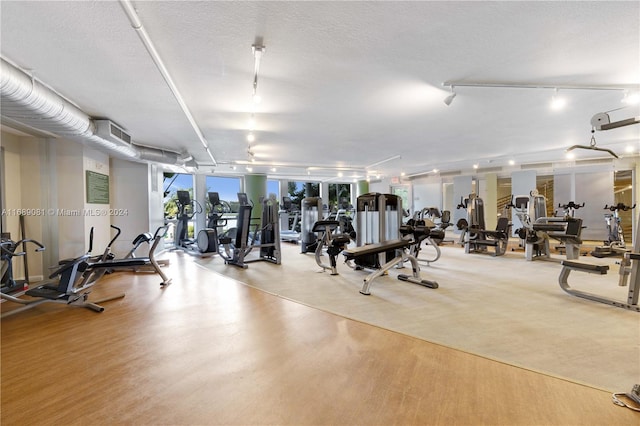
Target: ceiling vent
x=595 y=161
x=452 y=173
x=536 y=166
x=110 y=131
x=489 y=170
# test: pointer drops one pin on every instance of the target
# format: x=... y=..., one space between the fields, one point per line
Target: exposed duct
x=26 y=101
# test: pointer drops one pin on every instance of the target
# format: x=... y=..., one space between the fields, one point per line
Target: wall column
x=491 y=201
x=256 y=188
x=363 y=188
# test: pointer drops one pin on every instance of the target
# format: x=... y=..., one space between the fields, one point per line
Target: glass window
x=297 y=191
x=339 y=196
x=623 y=193
x=544 y=185
x=226 y=187
x=273 y=187
x=172 y=183
x=504 y=196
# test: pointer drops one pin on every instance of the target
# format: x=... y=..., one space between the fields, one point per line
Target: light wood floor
x=208 y=350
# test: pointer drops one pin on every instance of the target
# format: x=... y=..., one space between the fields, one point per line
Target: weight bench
x=401 y=256
x=634 y=287
x=334 y=243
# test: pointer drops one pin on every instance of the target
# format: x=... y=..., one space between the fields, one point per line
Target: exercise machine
x=344 y=213
x=569 y=213
x=265 y=236
x=614 y=245
x=537 y=229
x=423 y=230
x=378 y=219
x=476 y=238
x=187 y=209
x=9 y=250
x=71 y=283
x=207 y=239
x=441 y=221
x=150 y=263
x=289 y=221
x=311 y=213
x=334 y=243
x=629 y=275
x=401 y=249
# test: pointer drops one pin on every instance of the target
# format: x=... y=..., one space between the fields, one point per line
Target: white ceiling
x=343 y=84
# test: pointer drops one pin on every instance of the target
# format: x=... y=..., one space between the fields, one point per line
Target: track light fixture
x=450 y=98
x=505 y=85
x=258 y=51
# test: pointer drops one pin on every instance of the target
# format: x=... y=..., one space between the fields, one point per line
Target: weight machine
x=614 y=245
x=264 y=236
x=629 y=275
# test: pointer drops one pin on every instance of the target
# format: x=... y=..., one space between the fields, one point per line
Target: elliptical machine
x=207 y=239
x=9 y=250
x=614 y=245
x=205 y=244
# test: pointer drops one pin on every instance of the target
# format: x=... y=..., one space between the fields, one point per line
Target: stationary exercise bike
x=614 y=245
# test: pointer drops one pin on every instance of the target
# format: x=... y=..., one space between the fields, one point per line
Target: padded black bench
x=374 y=249
x=548 y=227
x=569 y=236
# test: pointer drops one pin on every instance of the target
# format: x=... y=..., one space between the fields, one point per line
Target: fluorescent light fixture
x=251 y=137
x=507 y=85
x=395 y=157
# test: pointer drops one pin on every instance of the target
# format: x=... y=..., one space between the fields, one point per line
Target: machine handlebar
x=619 y=206
x=570 y=205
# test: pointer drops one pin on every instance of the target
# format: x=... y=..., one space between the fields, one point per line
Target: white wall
x=129 y=203
x=427 y=193
x=97 y=216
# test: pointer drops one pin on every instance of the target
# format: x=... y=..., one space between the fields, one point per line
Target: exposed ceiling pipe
x=30 y=103
x=27 y=101
x=151 y=49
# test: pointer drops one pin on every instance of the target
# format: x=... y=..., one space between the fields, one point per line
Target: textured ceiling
x=344 y=84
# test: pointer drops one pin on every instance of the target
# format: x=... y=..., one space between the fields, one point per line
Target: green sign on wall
x=97 y=188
